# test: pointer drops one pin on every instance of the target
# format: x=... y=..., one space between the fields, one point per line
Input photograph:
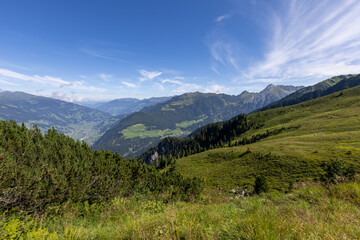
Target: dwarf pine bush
x=40 y=172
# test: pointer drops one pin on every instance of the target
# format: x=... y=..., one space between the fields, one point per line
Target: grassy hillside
x=313 y=132
x=180 y=116
x=68 y=118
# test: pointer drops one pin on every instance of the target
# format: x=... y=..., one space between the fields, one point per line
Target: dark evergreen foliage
x=211 y=136
x=337 y=171
x=261 y=185
x=43 y=171
x=215 y=135
x=258 y=137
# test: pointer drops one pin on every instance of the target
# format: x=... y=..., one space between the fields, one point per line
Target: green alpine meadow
x=180 y=120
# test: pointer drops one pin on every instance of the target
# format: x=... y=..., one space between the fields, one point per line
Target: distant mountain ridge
x=124 y=106
x=181 y=115
x=320 y=89
x=68 y=118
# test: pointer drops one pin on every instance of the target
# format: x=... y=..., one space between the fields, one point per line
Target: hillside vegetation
x=310 y=212
x=41 y=173
x=180 y=116
x=307 y=135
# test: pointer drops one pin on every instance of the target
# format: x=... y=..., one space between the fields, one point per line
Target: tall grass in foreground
x=311 y=212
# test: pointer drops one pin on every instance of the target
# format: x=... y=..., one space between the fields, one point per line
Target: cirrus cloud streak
x=306 y=41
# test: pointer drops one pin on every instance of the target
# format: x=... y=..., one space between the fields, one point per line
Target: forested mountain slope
x=72 y=119
x=181 y=115
x=284 y=144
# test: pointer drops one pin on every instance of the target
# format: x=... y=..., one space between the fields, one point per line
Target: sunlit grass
x=320 y=130
x=311 y=212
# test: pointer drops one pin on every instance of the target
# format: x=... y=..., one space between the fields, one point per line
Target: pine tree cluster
x=40 y=171
x=211 y=136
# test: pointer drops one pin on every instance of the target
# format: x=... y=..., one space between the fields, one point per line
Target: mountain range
x=68 y=118
x=181 y=115
x=320 y=89
x=216 y=135
x=131 y=133
x=124 y=106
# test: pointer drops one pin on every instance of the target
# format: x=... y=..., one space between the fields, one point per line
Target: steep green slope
x=72 y=119
x=180 y=116
x=321 y=89
x=307 y=135
x=128 y=105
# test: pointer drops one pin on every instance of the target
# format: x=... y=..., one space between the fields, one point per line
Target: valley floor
x=307 y=212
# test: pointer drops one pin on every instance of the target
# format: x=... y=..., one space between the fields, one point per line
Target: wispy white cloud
x=63 y=96
x=187 y=87
x=8 y=83
x=171 y=81
x=47 y=80
x=132 y=85
x=214 y=69
x=170 y=71
x=11 y=65
x=312 y=40
x=147 y=75
x=160 y=86
x=36 y=78
x=179 y=85
x=81 y=85
x=96 y=54
x=222 y=17
x=215 y=88
x=103 y=56
x=307 y=41
x=105 y=77
x=224 y=53
x=68 y=96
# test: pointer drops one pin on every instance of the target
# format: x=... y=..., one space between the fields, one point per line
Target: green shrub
x=42 y=172
x=261 y=185
x=15 y=228
x=336 y=171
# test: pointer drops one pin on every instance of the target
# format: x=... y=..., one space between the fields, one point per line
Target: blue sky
x=100 y=50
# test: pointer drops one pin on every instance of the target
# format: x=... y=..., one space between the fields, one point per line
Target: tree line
x=211 y=136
